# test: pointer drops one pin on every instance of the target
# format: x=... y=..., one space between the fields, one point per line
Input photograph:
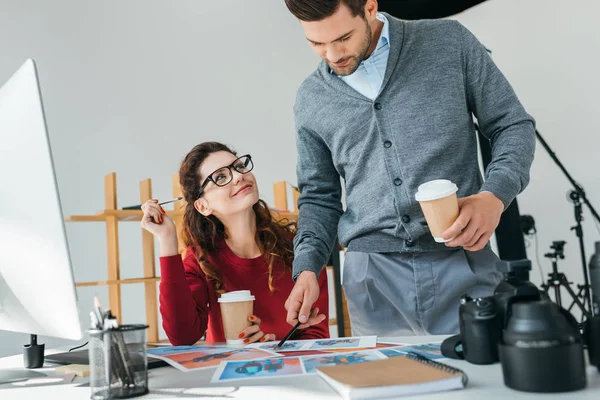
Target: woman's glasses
x=224 y=175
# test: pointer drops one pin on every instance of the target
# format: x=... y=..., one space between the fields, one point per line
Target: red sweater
x=189 y=307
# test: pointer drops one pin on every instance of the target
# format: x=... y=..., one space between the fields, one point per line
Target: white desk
x=485 y=382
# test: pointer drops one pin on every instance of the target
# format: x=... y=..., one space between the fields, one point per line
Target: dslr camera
x=537 y=342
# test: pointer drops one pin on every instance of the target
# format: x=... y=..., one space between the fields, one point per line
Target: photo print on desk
x=335 y=344
x=190 y=358
x=258 y=369
x=168 y=350
x=311 y=362
x=304 y=353
x=429 y=350
x=378 y=346
x=290 y=345
x=306 y=364
x=392 y=352
x=366 y=342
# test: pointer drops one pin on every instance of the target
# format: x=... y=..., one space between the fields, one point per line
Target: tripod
x=557 y=279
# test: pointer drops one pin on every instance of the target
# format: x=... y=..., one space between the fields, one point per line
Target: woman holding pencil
x=232 y=243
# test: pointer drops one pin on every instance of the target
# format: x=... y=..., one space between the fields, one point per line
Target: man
x=391 y=107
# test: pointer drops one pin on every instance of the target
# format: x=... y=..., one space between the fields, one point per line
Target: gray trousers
x=405 y=294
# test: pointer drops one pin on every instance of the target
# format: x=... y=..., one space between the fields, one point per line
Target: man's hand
x=301 y=299
x=478 y=217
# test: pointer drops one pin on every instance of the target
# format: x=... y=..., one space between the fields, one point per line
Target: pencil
x=290 y=333
x=170 y=201
x=139 y=206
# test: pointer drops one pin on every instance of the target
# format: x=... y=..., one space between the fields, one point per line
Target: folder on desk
x=392 y=377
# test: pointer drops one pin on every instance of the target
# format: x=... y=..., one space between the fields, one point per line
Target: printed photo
x=198 y=357
x=429 y=350
x=392 y=352
x=304 y=353
x=379 y=346
x=353 y=343
x=168 y=350
x=334 y=344
x=311 y=362
x=274 y=367
x=287 y=346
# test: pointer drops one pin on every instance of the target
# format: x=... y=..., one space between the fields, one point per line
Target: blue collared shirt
x=368 y=78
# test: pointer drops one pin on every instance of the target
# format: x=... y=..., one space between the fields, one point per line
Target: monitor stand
x=33 y=357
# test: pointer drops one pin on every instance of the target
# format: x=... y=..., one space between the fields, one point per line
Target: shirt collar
x=384 y=37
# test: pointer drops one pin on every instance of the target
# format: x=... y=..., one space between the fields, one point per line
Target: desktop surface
x=485 y=382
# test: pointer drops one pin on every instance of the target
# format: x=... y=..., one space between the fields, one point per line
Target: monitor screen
x=37 y=292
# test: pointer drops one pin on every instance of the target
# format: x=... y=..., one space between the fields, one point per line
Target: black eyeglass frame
x=229 y=168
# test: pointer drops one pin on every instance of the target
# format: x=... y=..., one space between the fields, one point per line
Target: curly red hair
x=273 y=237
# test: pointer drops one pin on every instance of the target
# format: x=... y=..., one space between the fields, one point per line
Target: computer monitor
x=37 y=291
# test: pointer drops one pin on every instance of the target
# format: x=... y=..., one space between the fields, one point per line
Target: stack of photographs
x=299 y=357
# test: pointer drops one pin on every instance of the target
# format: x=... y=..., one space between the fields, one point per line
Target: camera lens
x=538 y=324
x=542 y=350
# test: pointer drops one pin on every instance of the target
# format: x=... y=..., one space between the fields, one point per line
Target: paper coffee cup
x=236 y=307
x=440 y=206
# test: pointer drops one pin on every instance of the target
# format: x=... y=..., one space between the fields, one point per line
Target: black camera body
x=537 y=342
x=480 y=330
x=482 y=320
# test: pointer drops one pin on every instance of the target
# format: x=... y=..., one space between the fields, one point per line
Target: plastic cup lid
x=435 y=189
x=238 y=295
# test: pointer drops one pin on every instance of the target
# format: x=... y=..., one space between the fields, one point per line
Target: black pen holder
x=118 y=362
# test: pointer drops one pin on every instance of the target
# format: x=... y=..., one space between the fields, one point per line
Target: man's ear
x=371 y=8
x=201 y=205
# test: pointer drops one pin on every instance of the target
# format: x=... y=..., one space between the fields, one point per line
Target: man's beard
x=354 y=61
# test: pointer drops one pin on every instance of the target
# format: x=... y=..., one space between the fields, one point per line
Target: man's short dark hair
x=318 y=10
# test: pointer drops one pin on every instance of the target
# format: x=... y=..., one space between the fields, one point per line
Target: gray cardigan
x=420 y=127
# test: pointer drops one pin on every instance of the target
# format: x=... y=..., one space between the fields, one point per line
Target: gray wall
x=131 y=86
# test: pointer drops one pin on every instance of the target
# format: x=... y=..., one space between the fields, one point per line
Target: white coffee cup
x=440 y=206
x=236 y=307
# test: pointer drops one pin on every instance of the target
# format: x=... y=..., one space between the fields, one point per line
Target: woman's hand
x=156 y=221
x=253 y=333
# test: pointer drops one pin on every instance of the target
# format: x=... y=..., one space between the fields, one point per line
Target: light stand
x=584 y=290
x=578 y=197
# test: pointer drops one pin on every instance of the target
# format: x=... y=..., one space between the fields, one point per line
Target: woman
x=232 y=243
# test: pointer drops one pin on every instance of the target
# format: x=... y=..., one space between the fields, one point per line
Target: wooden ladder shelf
x=111 y=216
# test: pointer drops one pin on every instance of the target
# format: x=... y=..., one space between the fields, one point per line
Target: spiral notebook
x=392 y=377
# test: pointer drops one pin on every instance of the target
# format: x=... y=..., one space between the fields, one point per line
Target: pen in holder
x=118 y=362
